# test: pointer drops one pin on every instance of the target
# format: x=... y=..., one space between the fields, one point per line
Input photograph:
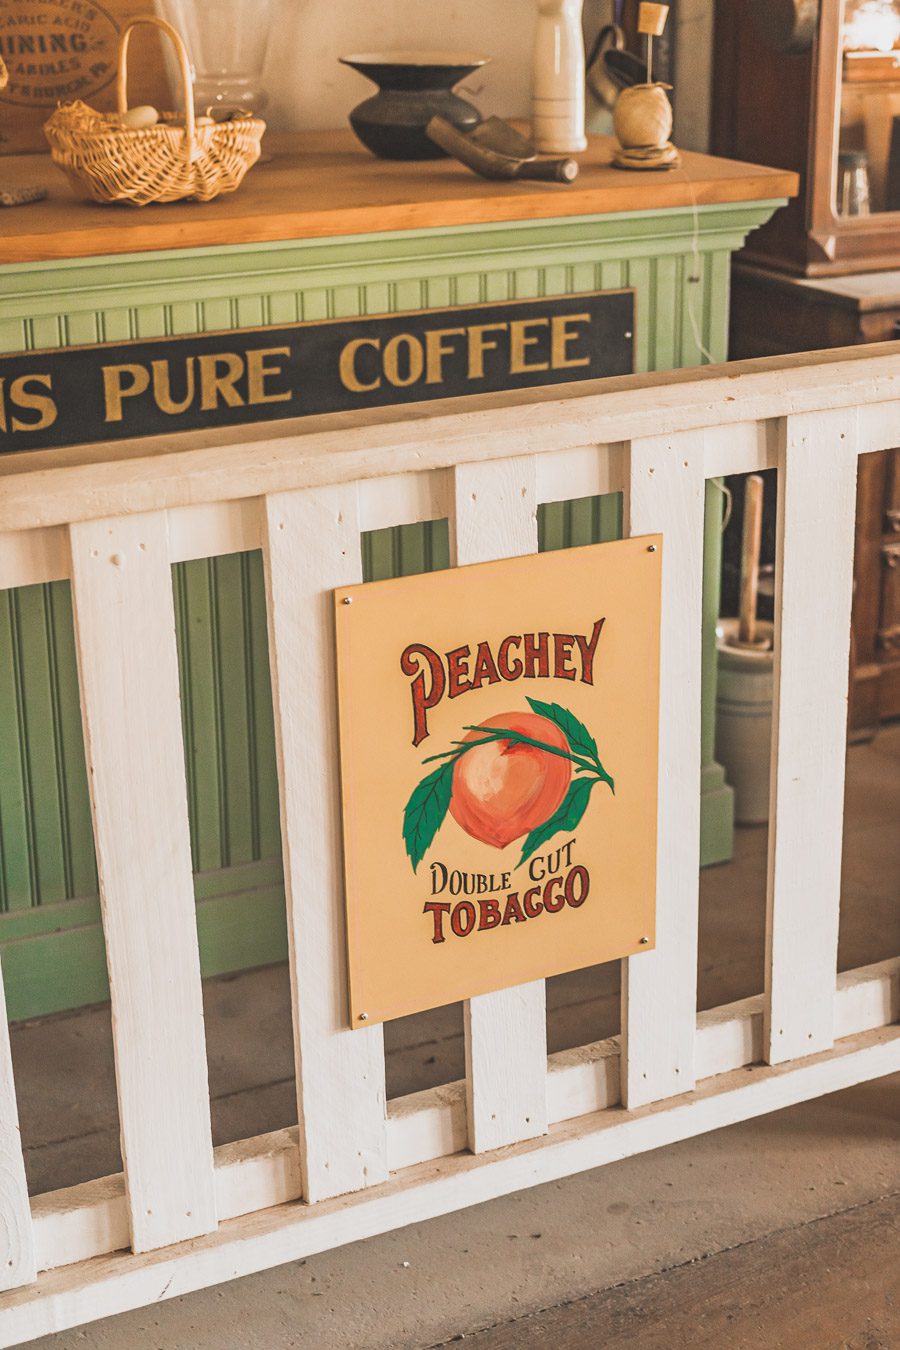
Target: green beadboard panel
x=46 y=844
x=406 y=550
x=46 y=841
x=227 y=718
x=677 y=261
x=586 y=520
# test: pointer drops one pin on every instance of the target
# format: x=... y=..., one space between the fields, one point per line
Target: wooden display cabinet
x=798 y=95
x=800 y=108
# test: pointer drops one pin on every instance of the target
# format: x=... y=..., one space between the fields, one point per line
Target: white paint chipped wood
x=110 y=1285
x=495 y=516
x=122 y=477
x=17 y=1258
x=251 y=1174
x=814 y=564
x=128 y=671
x=312 y=545
x=666 y=495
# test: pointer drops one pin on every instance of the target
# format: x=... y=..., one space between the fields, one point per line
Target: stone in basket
x=175 y=159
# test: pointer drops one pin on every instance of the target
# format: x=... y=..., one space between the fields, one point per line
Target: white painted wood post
x=495 y=516
x=17 y=1262
x=666 y=494
x=816 y=523
x=312 y=544
x=128 y=667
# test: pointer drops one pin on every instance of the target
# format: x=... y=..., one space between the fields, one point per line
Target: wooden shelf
x=323 y=185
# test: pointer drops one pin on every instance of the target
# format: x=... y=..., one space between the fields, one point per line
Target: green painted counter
x=676 y=259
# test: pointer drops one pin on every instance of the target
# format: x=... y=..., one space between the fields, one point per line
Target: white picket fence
x=184 y=1214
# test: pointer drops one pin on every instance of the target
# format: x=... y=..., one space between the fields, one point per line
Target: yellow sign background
x=395 y=966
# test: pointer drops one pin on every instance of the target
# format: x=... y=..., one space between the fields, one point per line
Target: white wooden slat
x=78 y=1222
x=69 y=1296
x=28 y=557
x=495 y=516
x=587 y=471
x=256 y=1173
x=17 y=1259
x=128 y=667
x=426 y=1125
x=190 y=467
x=745 y=448
x=584 y=1080
x=91 y=1219
x=311 y=545
x=404 y=499
x=728 y=1037
x=868 y=997
x=814 y=567
x=659 y=994
x=211 y=529
x=879 y=425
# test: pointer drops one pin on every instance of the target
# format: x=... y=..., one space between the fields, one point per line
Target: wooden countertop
x=324 y=184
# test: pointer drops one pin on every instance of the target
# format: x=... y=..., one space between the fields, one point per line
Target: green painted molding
x=54 y=958
x=581 y=238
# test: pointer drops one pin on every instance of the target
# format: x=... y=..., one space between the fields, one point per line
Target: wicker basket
x=169 y=162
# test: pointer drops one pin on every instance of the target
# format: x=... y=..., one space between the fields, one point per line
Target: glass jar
x=853 y=183
x=227 y=42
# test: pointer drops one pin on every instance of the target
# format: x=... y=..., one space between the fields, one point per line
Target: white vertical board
x=312 y=544
x=17 y=1259
x=128 y=667
x=495 y=516
x=666 y=495
x=816 y=524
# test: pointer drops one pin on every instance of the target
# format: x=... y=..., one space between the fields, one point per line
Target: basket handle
x=187 y=82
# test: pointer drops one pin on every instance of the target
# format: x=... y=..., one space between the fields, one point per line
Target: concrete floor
x=543 y=1248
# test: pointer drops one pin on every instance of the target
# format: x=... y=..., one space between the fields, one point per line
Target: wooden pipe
x=750 y=548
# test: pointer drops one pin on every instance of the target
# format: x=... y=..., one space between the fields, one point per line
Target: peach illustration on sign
x=504 y=789
x=517 y=774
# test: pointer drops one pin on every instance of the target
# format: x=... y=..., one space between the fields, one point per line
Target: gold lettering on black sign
x=220 y=378
x=24 y=398
x=148 y=387
x=531 y=346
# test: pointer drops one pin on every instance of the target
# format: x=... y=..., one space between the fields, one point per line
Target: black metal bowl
x=413 y=87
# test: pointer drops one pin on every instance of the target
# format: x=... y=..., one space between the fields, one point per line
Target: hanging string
x=695 y=276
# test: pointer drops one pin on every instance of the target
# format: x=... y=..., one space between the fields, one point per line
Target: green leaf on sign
x=425 y=812
x=575 y=732
x=573 y=807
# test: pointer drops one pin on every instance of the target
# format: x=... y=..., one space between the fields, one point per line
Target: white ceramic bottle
x=558 y=92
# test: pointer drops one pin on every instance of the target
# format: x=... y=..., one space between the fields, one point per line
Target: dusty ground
x=834 y=1282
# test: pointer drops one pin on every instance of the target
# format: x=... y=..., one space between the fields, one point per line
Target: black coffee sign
x=85 y=394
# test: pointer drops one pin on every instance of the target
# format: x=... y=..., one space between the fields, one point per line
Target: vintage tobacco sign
x=60 y=50
x=499 y=766
x=86 y=394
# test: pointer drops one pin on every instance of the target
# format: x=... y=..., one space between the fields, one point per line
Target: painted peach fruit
x=503 y=790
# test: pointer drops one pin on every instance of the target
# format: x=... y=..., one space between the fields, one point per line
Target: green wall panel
x=677 y=262
x=587 y=520
x=406 y=550
x=46 y=845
